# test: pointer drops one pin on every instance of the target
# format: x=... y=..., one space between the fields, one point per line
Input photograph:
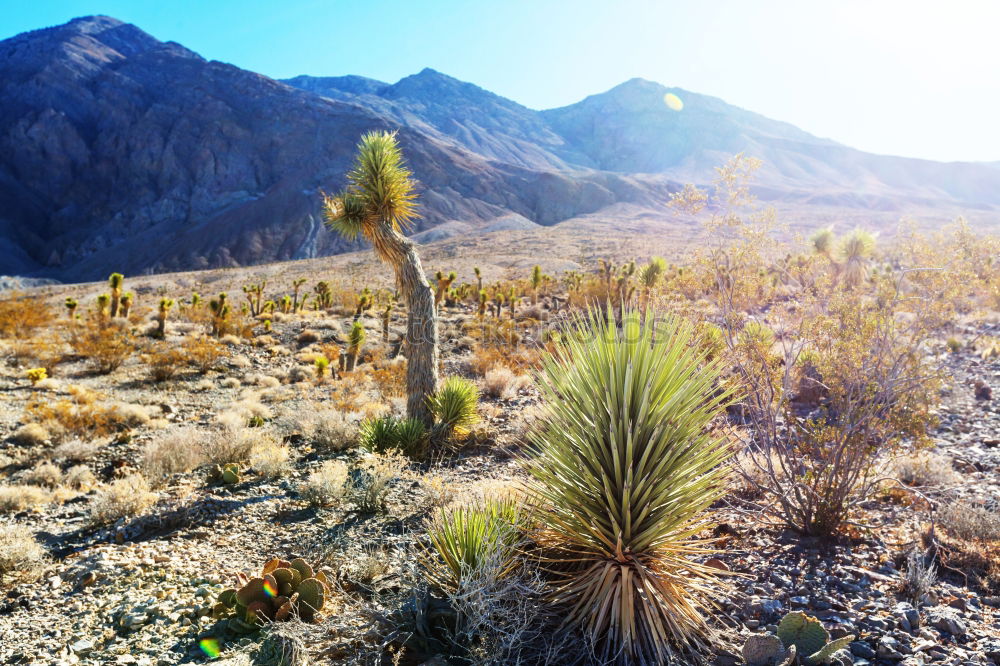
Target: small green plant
x=454 y=405
x=36 y=375
x=71 y=305
x=355 y=339
x=767 y=650
x=161 y=317
x=285 y=590
x=227 y=474
x=102 y=306
x=954 y=345
x=805 y=636
x=125 y=306
x=321 y=363
x=465 y=538
x=387 y=433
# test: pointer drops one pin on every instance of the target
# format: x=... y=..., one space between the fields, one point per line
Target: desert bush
x=20 y=554
x=230 y=383
x=175 y=451
x=454 y=405
x=45 y=475
x=164 y=361
x=623 y=466
x=328 y=430
x=501 y=382
x=21 y=316
x=203 y=352
x=520 y=359
x=106 y=347
x=84 y=416
x=14 y=499
x=377 y=473
x=79 y=477
x=969 y=522
x=327 y=486
x=31 y=434
x=307 y=336
x=924 y=470
x=271 y=460
x=76 y=450
x=126 y=497
x=235 y=443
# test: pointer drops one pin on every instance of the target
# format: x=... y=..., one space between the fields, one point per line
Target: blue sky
x=907 y=78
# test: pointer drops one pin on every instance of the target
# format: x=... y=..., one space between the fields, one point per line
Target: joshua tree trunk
x=421 y=323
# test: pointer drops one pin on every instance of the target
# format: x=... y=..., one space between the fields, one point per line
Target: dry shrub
x=105 y=347
x=203 y=352
x=40 y=352
x=171 y=453
x=327 y=486
x=328 y=430
x=307 y=336
x=203 y=385
x=124 y=498
x=501 y=382
x=21 y=315
x=271 y=460
x=230 y=383
x=970 y=522
x=31 y=434
x=83 y=416
x=45 y=475
x=14 y=499
x=236 y=443
x=230 y=340
x=79 y=477
x=21 y=556
x=76 y=450
x=164 y=361
x=520 y=359
x=389 y=377
x=378 y=471
x=924 y=470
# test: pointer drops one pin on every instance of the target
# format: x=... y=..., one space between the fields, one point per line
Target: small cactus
x=810 y=638
x=767 y=650
x=284 y=590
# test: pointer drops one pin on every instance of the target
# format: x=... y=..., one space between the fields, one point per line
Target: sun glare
x=673 y=102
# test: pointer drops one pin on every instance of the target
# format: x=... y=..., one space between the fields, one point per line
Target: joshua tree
x=378 y=204
x=220 y=310
x=296 y=284
x=855 y=252
x=355 y=339
x=482 y=303
x=125 y=305
x=536 y=283
x=479 y=278
x=102 y=306
x=71 y=306
x=115 y=283
x=386 y=317
x=649 y=276
x=364 y=302
x=161 y=316
x=324 y=296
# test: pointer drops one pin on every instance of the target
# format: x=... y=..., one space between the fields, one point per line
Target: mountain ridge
x=119 y=151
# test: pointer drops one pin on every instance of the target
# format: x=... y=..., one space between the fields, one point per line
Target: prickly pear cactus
x=762 y=649
x=805 y=633
x=825 y=655
x=283 y=591
x=231 y=473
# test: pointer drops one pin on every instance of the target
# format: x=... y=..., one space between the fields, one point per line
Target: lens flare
x=269 y=589
x=673 y=102
x=210 y=647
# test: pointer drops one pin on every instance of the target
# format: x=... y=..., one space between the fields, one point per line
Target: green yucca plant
x=465 y=539
x=855 y=252
x=387 y=433
x=355 y=339
x=455 y=403
x=623 y=467
x=115 y=281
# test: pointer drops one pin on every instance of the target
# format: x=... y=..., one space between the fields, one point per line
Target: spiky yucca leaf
x=454 y=405
x=623 y=467
x=378 y=435
x=465 y=538
x=411 y=438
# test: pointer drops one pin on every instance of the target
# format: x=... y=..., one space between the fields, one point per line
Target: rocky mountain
x=122 y=152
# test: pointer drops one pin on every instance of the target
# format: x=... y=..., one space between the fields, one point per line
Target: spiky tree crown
x=380 y=195
x=115 y=280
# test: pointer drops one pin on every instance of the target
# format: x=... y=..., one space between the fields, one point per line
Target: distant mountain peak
x=95 y=23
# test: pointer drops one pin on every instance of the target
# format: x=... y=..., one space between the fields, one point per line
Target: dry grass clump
x=328 y=430
x=230 y=383
x=203 y=352
x=31 y=434
x=20 y=554
x=45 y=475
x=203 y=385
x=969 y=522
x=84 y=415
x=236 y=443
x=271 y=460
x=503 y=383
x=164 y=362
x=76 y=450
x=327 y=486
x=174 y=452
x=378 y=472
x=518 y=358
x=924 y=470
x=124 y=498
x=307 y=336
x=14 y=499
x=21 y=315
x=79 y=477
x=230 y=340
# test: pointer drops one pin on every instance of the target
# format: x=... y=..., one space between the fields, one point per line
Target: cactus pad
x=824 y=655
x=804 y=632
x=253 y=591
x=762 y=649
x=312 y=595
x=227 y=597
x=302 y=567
